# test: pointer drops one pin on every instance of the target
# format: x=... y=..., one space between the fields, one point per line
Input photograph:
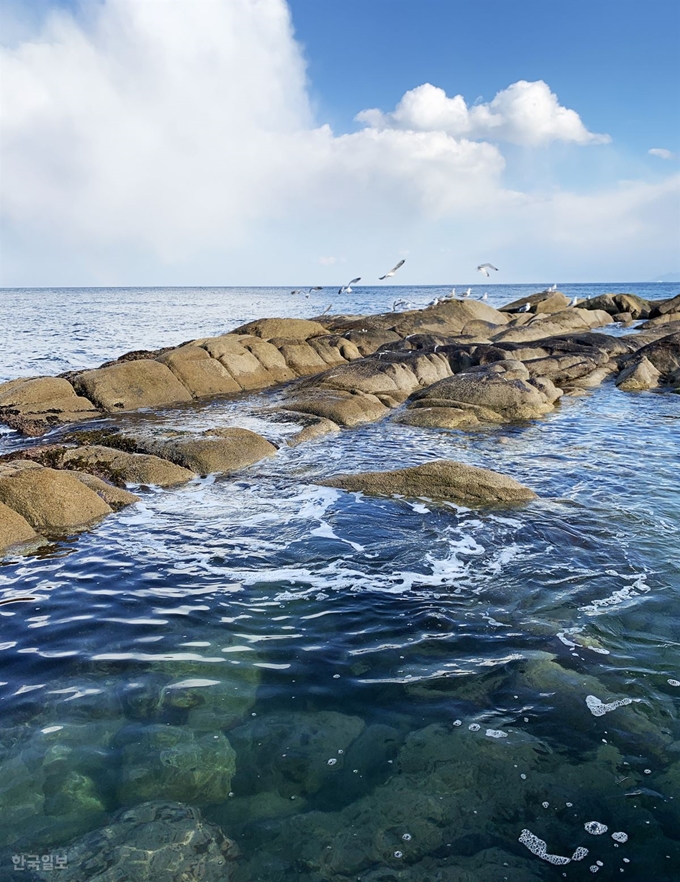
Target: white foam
x=579 y=854
x=598 y=708
x=674 y=682
x=595 y=828
x=621 y=598
x=540 y=849
x=620 y=836
x=496 y=733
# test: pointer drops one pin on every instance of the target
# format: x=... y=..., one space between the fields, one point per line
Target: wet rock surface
x=441 y=479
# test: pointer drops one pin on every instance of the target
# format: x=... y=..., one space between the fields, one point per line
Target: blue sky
x=173 y=142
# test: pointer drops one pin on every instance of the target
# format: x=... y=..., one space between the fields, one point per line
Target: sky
x=265 y=142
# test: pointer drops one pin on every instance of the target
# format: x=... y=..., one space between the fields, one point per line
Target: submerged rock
x=155 y=841
x=173 y=762
x=216 y=450
x=121 y=467
x=442 y=479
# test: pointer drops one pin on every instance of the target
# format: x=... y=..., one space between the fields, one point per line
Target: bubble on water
x=496 y=733
x=626 y=860
x=598 y=708
x=648 y=771
x=595 y=828
x=474 y=727
x=523 y=776
x=674 y=682
x=569 y=804
x=539 y=848
x=545 y=804
x=406 y=837
x=336 y=676
x=594 y=868
x=398 y=854
x=620 y=836
x=457 y=722
x=332 y=761
x=579 y=854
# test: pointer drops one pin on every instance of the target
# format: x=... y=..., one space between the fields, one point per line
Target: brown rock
x=541 y=302
x=297 y=329
x=663 y=353
x=664 y=307
x=124 y=468
x=217 y=450
x=49 y=499
x=300 y=357
x=343 y=408
x=36 y=404
x=441 y=479
x=334 y=349
x=367 y=342
x=638 y=376
x=317 y=429
x=132 y=385
x=660 y=321
x=638 y=307
x=202 y=375
x=269 y=357
x=116 y=497
x=14 y=529
x=245 y=368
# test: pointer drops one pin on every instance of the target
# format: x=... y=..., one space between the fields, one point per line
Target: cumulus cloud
x=662 y=153
x=524 y=113
x=154 y=135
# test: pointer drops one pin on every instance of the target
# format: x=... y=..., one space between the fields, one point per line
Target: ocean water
x=387 y=690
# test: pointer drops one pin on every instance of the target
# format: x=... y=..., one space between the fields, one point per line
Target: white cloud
x=524 y=113
x=174 y=142
x=662 y=153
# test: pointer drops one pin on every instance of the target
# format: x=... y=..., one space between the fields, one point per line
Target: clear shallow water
x=307 y=625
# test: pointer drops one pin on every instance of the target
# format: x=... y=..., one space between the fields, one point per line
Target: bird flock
x=401 y=303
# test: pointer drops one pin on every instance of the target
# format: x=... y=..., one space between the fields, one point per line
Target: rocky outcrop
x=542 y=302
x=571 y=320
x=153 y=841
x=638 y=307
x=14 y=529
x=132 y=385
x=200 y=374
x=639 y=376
x=36 y=404
x=219 y=451
x=442 y=479
x=343 y=408
x=501 y=392
x=295 y=329
x=657 y=363
x=50 y=500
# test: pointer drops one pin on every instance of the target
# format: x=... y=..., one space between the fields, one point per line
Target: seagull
x=574 y=301
x=296 y=291
x=553 y=287
x=327 y=309
x=434 y=302
x=400 y=304
x=485 y=296
x=525 y=308
x=348 y=287
x=392 y=271
x=315 y=288
x=466 y=293
x=485 y=267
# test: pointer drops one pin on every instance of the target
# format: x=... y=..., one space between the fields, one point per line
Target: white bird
x=401 y=304
x=467 y=293
x=485 y=296
x=327 y=309
x=553 y=287
x=296 y=291
x=392 y=271
x=348 y=287
x=525 y=308
x=574 y=301
x=485 y=267
x=316 y=288
x=434 y=302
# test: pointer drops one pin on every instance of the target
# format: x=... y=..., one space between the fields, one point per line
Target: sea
x=353 y=688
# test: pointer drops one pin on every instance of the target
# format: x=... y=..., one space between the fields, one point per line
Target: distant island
x=669 y=277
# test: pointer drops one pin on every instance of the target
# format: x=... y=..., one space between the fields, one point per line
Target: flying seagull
x=392 y=271
x=485 y=267
x=316 y=288
x=348 y=287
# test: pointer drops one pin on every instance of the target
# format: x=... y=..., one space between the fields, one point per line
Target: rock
x=505 y=387
x=202 y=375
x=367 y=342
x=441 y=479
x=665 y=307
x=298 y=329
x=132 y=385
x=623 y=318
x=116 y=497
x=34 y=405
x=300 y=356
x=397 y=372
x=244 y=367
x=121 y=467
x=216 y=450
x=317 y=429
x=48 y=499
x=469 y=417
x=153 y=841
x=663 y=353
x=568 y=320
x=343 y=408
x=289 y=753
x=269 y=357
x=638 y=307
x=660 y=321
x=542 y=302
x=334 y=349
x=173 y=762
x=447 y=318
x=14 y=529
x=638 y=376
